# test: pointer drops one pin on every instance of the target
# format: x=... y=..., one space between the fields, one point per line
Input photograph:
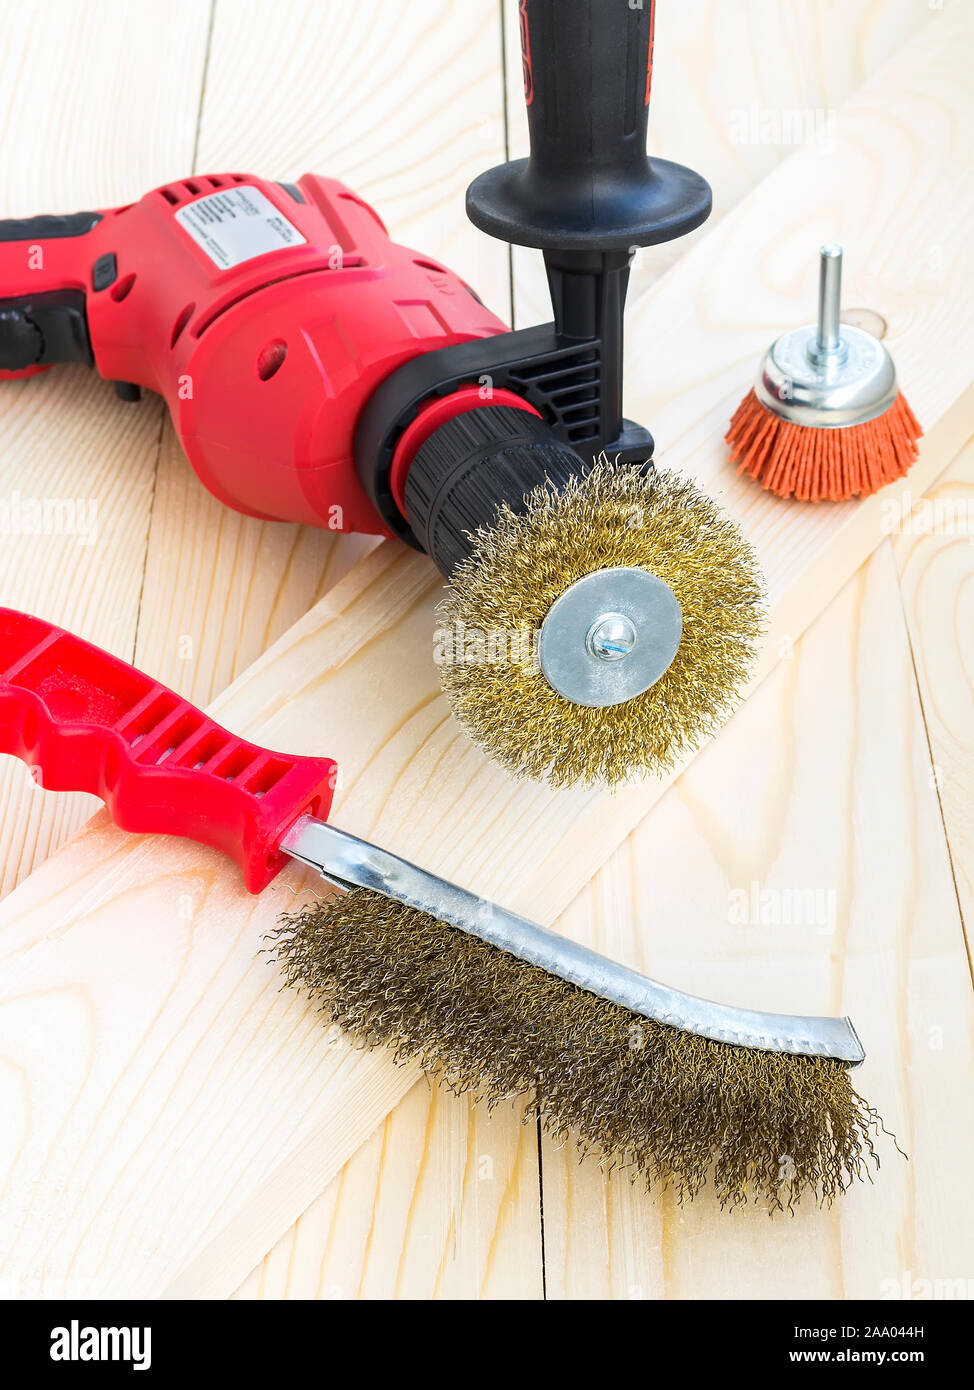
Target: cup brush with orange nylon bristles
x=826 y=420
x=679 y=1088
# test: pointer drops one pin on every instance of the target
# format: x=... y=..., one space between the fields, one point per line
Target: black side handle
x=588 y=194
x=588 y=183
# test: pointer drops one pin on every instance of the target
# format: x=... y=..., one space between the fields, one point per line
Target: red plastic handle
x=90 y=722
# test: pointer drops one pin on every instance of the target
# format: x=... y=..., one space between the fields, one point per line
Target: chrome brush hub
x=610 y=636
x=827 y=375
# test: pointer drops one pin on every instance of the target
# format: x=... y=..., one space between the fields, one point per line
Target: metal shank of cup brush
x=832 y=395
x=349 y=862
x=827 y=375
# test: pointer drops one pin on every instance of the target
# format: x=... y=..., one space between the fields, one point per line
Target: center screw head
x=611 y=637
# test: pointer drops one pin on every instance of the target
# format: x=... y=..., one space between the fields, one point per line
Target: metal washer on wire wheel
x=610 y=636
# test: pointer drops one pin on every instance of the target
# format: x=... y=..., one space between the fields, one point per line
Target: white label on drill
x=237 y=224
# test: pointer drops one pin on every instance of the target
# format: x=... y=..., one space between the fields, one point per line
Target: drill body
x=318 y=372
x=265 y=314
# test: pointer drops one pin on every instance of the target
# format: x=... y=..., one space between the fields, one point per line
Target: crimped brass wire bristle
x=679 y=1110
x=615 y=516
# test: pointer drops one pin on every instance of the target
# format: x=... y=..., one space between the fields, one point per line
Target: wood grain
x=736 y=83
x=405 y=105
x=443 y=1201
x=404 y=102
x=785 y=635
x=816 y=800
x=255 y=1101
x=71 y=66
x=743 y=66
x=223 y=587
x=818 y=794
x=933 y=542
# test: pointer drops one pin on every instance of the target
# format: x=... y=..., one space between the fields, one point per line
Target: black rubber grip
x=470 y=466
x=588 y=183
x=49 y=227
x=40 y=329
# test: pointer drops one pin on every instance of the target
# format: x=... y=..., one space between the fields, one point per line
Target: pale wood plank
x=735 y=82
x=405 y=108
x=220 y=587
x=820 y=785
x=404 y=103
x=64 y=435
x=98 y=101
x=717 y=65
x=934 y=553
x=397 y=748
x=441 y=1202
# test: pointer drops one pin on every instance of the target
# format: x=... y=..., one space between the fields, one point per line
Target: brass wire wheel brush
x=600 y=616
x=604 y=630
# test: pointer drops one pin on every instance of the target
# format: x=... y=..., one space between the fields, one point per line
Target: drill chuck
x=472 y=465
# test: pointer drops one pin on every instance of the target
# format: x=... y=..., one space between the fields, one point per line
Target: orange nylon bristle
x=816 y=465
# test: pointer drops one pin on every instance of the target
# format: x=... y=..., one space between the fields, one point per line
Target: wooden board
x=803 y=808
x=798 y=808
x=446 y=77
x=220 y=587
x=755 y=72
x=63 y=436
x=933 y=543
x=169 y=576
x=232 y=585
x=736 y=84
x=415 y=747
x=442 y=1201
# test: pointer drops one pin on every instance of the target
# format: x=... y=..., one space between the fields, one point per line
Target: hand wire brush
x=318 y=372
x=679 y=1088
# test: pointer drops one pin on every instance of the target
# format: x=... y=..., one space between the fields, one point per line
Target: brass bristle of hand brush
x=675 y=1108
x=619 y=521
x=672 y=1084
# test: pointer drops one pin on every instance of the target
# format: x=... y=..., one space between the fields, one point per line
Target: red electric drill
x=317 y=371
